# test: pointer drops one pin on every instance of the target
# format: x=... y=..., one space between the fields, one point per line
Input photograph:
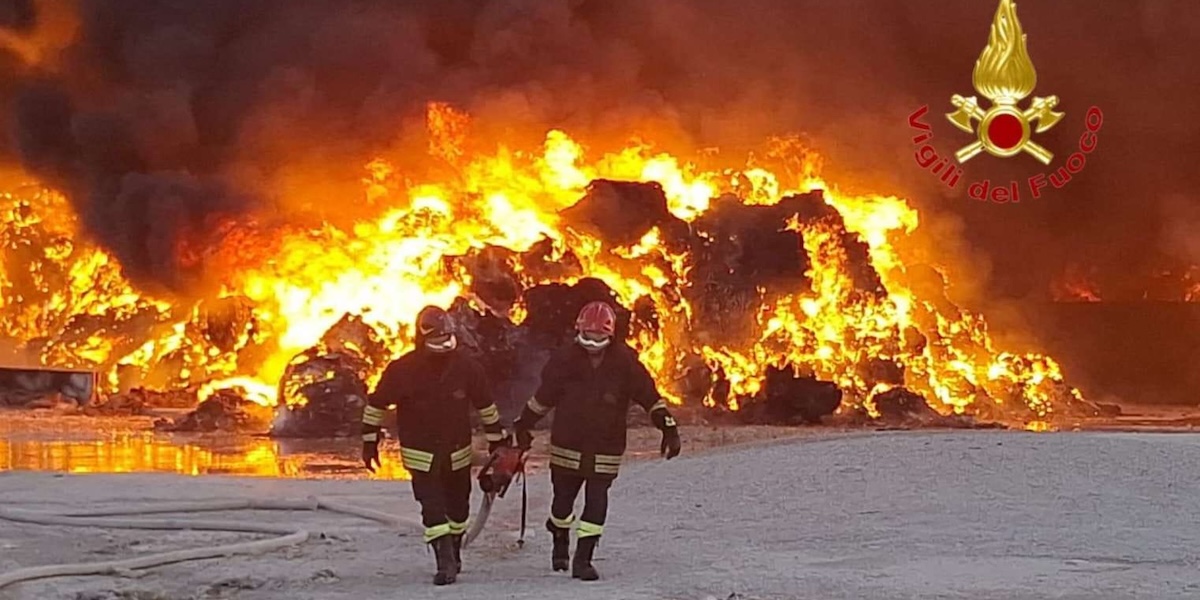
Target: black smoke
x=17 y=15
x=165 y=116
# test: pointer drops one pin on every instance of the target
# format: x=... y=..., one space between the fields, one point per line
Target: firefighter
x=433 y=388
x=590 y=384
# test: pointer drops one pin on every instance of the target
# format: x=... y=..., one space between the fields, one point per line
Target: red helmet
x=597 y=317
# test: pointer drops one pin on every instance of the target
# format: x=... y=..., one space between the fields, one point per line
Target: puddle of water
x=143 y=452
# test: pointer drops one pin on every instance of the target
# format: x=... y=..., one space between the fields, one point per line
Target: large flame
x=1004 y=71
x=68 y=301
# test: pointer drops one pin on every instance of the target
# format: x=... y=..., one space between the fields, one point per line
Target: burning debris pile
x=225 y=410
x=323 y=390
x=141 y=401
x=758 y=293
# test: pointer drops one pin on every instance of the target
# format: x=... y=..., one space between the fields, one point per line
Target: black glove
x=370 y=456
x=524 y=438
x=670 y=443
x=486 y=485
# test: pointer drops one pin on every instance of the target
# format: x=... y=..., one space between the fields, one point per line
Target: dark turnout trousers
x=566 y=486
x=445 y=496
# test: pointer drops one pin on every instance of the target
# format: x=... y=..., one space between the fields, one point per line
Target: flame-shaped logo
x=1005 y=75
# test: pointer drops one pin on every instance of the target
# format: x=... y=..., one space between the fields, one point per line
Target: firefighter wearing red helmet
x=434 y=387
x=590 y=385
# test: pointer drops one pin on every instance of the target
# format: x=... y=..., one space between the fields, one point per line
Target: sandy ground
x=895 y=515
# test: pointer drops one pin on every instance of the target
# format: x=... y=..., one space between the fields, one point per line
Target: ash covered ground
x=897 y=515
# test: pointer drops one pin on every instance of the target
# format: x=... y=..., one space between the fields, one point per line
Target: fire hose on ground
x=106 y=518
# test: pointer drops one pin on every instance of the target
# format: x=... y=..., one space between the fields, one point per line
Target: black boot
x=561 y=555
x=458 y=539
x=447 y=569
x=581 y=567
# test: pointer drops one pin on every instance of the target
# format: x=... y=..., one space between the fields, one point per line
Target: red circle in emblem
x=1005 y=131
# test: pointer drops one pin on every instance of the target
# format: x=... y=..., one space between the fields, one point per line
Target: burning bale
x=545 y=262
x=322 y=395
x=87 y=340
x=494 y=278
x=900 y=408
x=138 y=401
x=787 y=398
x=495 y=341
x=746 y=247
x=354 y=336
x=225 y=410
x=552 y=309
x=900 y=405
x=621 y=213
x=790 y=398
x=323 y=390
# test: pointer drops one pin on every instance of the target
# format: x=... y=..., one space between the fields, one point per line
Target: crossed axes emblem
x=1040 y=111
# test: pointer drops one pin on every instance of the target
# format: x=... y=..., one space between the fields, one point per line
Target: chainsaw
x=503 y=467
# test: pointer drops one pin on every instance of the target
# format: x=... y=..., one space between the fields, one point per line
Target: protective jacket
x=591 y=404
x=433 y=395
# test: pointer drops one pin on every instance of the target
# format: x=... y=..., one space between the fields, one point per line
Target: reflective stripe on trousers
x=604 y=464
x=422 y=461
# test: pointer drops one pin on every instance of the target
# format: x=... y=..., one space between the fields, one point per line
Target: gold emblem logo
x=1005 y=75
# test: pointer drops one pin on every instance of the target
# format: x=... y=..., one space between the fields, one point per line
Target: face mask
x=590 y=345
x=445 y=344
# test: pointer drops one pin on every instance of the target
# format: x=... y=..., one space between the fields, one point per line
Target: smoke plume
x=161 y=118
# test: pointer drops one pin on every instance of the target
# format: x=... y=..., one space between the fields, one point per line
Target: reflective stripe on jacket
x=433 y=395
x=591 y=403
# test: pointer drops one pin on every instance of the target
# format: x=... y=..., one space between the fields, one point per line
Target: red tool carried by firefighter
x=504 y=466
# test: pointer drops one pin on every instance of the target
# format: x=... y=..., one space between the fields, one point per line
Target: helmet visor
x=441 y=343
x=592 y=340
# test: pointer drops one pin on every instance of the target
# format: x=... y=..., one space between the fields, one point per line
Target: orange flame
x=73 y=297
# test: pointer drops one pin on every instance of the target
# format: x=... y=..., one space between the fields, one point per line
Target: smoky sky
x=164 y=117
